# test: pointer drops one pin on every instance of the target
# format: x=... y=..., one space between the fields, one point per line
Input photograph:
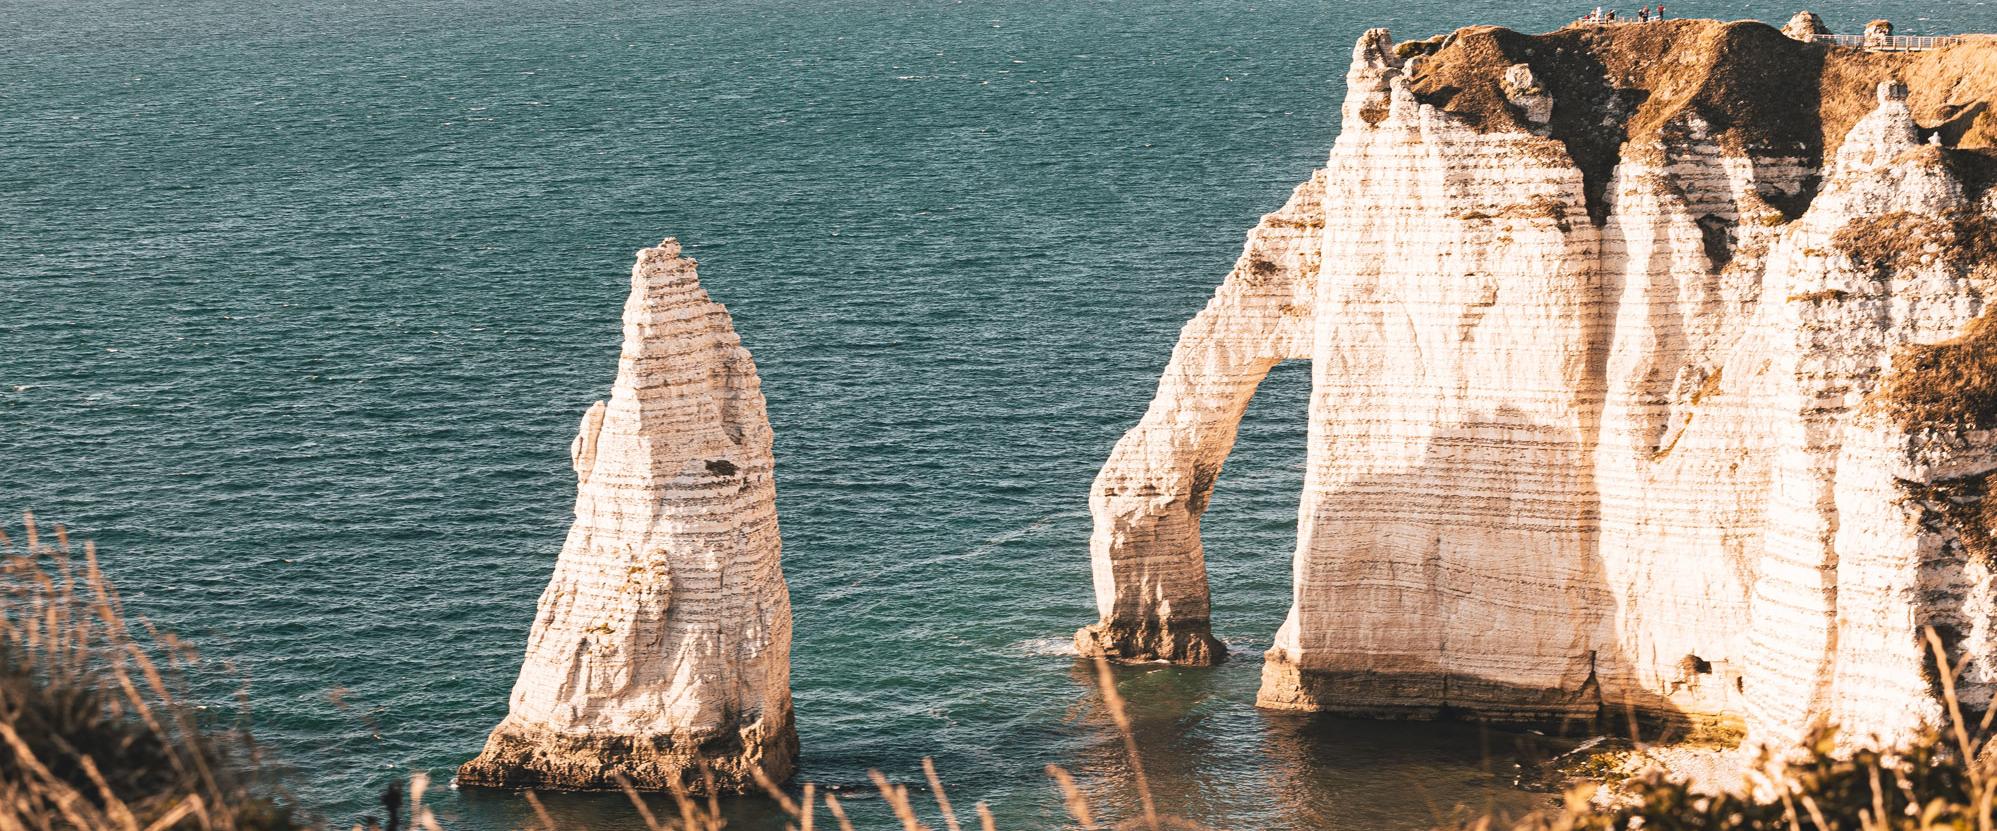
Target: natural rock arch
x=1150 y=568
x=1562 y=458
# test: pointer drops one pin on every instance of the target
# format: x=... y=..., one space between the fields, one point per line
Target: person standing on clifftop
x=1660 y=11
x=1643 y=14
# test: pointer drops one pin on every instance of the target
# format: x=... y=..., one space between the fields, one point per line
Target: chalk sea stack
x=662 y=643
x=1650 y=369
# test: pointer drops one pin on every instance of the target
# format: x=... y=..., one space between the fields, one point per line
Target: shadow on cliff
x=1483 y=560
x=1426 y=581
x=1622 y=88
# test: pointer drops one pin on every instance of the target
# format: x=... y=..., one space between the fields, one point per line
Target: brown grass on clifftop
x=1950 y=385
x=1754 y=85
x=1756 y=89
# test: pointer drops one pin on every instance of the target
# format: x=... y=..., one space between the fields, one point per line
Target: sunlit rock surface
x=662 y=643
x=1624 y=369
x=1805 y=26
x=1151 y=584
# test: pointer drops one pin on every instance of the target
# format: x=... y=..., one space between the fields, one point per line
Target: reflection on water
x=1367 y=774
x=1208 y=753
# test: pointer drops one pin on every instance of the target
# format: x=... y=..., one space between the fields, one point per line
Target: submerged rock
x=1636 y=383
x=662 y=643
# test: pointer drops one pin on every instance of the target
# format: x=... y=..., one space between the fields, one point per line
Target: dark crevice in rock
x=1792 y=205
x=1717 y=235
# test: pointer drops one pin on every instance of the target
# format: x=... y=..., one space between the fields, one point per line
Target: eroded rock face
x=1805 y=26
x=1150 y=576
x=662 y=642
x=1604 y=407
x=1877 y=32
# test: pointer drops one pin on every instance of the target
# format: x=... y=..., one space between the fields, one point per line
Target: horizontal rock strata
x=1617 y=338
x=662 y=643
x=1151 y=585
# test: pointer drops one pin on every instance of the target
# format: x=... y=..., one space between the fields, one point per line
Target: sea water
x=300 y=304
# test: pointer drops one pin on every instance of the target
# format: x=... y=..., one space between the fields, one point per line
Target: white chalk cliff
x=1646 y=372
x=662 y=643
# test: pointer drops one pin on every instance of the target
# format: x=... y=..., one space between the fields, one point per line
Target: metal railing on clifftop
x=1890 y=43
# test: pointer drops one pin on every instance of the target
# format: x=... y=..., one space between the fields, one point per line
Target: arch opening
x=1251 y=523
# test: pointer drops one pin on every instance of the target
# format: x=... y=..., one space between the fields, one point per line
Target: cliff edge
x=662 y=643
x=1649 y=371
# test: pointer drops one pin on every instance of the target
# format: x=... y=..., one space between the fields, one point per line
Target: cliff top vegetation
x=1755 y=87
x=1619 y=90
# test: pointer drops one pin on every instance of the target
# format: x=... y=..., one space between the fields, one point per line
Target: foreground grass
x=1923 y=786
x=94 y=737
x=91 y=734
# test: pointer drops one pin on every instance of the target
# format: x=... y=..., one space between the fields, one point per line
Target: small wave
x=1048 y=647
x=998 y=541
x=1238 y=646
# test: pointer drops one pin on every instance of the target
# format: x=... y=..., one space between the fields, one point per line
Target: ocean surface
x=300 y=304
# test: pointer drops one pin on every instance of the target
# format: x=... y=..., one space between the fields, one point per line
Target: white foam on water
x=1048 y=647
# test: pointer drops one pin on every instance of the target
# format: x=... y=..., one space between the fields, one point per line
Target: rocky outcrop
x=1612 y=337
x=1805 y=26
x=662 y=643
x=1877 y=33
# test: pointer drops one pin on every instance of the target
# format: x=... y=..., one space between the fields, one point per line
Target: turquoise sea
x=300 y=304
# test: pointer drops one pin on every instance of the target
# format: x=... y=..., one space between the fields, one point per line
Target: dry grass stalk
x=93 y=735
x=1077 y=802
x=896 y=797
x=540 y=811
x=838 y=812
x=1114 y=701
x=638 y=803
x=775 y=793
x=942 y=799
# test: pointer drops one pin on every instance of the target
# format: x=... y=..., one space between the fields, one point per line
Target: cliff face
x=1645 y=372
x=663 y=640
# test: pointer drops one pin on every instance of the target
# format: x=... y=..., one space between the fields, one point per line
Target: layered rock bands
x=660 y=652
x=1647 y=373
